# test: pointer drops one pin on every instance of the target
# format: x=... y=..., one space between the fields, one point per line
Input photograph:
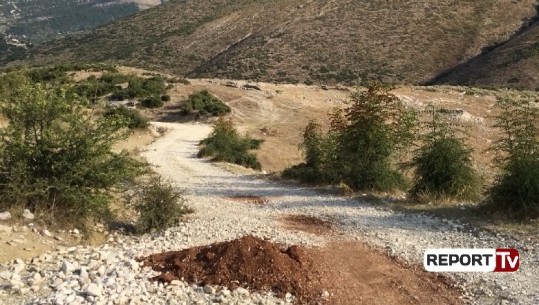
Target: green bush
x=134 y=118
x=204 y=103
x=152 y=102
x=54 y=157
x=375 y=128
x=226 y=145
x=362 y=144
x=165 y=98
x=159 y=206
x=516 y=191
x=321 y=165
x=137 y=87
x=443 y=165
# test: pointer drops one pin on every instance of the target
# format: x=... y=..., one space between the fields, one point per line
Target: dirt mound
x=248 y=262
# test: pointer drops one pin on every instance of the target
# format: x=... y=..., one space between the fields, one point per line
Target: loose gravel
x=109 y=274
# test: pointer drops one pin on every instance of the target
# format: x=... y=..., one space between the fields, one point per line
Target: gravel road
x=109 y=274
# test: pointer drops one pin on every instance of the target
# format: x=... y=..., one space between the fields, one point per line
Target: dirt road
x=210 y=189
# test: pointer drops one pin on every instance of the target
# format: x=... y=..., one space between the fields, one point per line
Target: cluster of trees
x=365 y=141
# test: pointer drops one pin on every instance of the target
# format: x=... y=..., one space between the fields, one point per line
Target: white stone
x=18 y=268
x=26 y=214
x=67 y=267
x=93 y=290
x=6 y=275
x=5 y=215
x=46 y=232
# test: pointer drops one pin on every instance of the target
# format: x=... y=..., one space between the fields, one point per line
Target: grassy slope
x=346 y=41
x=513 y=64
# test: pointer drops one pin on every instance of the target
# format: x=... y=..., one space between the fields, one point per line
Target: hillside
x=513 y=64
x=292 y=41
x=37 y=21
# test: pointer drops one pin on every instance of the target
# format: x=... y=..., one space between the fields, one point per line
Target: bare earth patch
x=248 y=199
x=339 y=273
x=354 y=273
x=309 y=224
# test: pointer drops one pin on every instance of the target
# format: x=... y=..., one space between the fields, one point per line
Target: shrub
x=516 y=191
x=152 y=102
x=443 y=165
x=372 y=130
x=55 y=158
x=226 y=145
x=165 y=98
x=204 y=103
x=320 y=164
x=134 y=118
x=92 y=89
x=159 y=206
x=137 y=87
x=362 y=143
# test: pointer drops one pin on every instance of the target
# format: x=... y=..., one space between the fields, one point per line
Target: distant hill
x=36 y=21
x=514 y=64
x=346 y=41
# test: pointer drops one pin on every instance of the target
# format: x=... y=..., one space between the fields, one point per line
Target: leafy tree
x=361 y=145
x=516 y=190
x=374 y=128
x=55 y=157
x=443 y=164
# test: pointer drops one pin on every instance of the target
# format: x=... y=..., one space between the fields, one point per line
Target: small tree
x=372 y=131
x=443 y=164
x=361 y=145
x=516 y=190
x=55 y=157
x=320 y=152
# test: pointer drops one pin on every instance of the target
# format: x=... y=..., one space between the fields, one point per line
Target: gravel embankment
x=109 y=274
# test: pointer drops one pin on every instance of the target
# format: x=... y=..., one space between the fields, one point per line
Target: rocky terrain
x=111 y=273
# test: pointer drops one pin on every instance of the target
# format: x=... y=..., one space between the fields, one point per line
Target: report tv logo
x=471 y=260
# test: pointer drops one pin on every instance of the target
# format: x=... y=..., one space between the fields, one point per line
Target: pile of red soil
x=248 y=262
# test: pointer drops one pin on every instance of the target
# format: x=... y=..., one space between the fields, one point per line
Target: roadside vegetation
x=159 y=206
x=368 y=145
x=443 y=168
x=225 y=144
x=56 y=151
x=361 y=146
x=516 y=190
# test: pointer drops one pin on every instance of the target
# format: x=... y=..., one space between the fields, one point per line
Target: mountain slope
x=36 y=21
x=514 y=64
x=346 y=41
